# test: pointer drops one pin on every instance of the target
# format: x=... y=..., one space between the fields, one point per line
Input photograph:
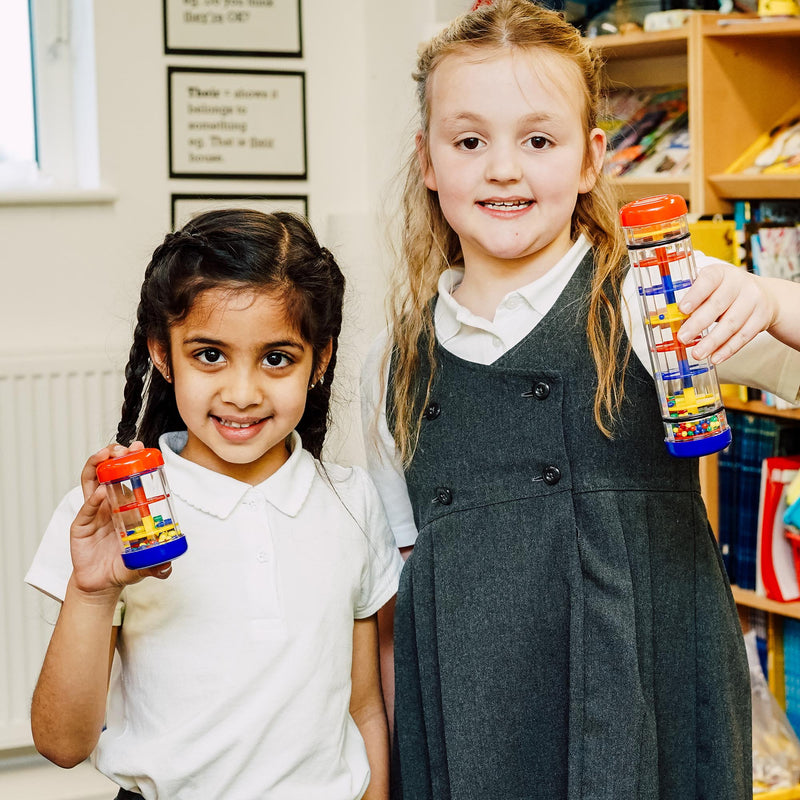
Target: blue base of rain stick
x=693 y=448
x=153 y=556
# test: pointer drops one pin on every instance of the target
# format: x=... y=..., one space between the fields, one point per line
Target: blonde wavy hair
x=428 y=245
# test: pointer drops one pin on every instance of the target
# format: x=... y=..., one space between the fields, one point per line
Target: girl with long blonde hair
x=564 y=626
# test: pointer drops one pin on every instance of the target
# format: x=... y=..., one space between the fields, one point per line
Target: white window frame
x=65 y=94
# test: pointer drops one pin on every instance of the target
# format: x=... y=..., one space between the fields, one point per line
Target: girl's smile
x=506 y=207
x=238 y=431
x=241 y=374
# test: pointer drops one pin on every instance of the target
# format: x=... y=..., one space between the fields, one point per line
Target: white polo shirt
x=763 y=363
x=233 y=676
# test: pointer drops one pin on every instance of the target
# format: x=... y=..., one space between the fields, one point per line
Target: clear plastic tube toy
x=660 y=249
x=138 y=493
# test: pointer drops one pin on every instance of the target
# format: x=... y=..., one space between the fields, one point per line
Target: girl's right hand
x=97 y=565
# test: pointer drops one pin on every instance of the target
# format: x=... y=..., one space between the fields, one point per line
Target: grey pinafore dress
x=564 y=627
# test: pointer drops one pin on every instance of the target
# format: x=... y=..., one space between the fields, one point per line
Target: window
x=18 y=131
x=48 y=140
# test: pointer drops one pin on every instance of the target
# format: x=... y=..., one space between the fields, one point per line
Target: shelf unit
x=779 y=794
x=749 y=599
x=742 y=74
x=710 y=484
x=746 y=597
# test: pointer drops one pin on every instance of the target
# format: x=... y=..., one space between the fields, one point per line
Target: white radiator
x=54 y=412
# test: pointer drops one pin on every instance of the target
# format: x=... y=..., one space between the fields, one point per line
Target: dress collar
x=218 y=495
x=539 y=295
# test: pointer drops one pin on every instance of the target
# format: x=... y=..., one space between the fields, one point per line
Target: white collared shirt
x=763 y=363
x=482 y=341
x=234 y=676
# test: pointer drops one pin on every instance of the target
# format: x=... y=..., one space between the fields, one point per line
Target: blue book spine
x=758 y=437
x=728 y=498
x=791 y=666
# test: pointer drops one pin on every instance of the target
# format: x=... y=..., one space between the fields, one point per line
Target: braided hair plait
x=328 y=301
x=144 y=385
x=136 y=374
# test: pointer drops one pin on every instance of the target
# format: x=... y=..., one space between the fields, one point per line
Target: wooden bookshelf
x=753 y=27
x=780 y=794
x=747 y=187
x=643 y=45
x=749 y=599
x=742 y=73
x=733 y=403
x=746 y=597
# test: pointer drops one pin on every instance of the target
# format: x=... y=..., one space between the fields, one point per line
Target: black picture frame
x=296 y=203
x=223 y=41
x=223 y=136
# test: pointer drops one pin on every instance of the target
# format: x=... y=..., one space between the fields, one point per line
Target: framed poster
x=186 y=206
x=227 y=123
x=233 y=27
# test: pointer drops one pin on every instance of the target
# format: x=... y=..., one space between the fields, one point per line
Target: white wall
x=72 y=272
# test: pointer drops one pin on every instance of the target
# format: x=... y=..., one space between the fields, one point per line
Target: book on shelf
x=757 y=620
x=768 y=233
x=776 y=567
x=767 y=236
x=728 y=489
x=778 y=645
x=647 y=130
x=768 y=631
x=754 y=439
x=773 y=249
x=774 y=152
x=791 y=517
x=742 y=214
x=791 y=670
x=775 y=745
x=714 y=237
x=776 y=665
x=757 y=440
x=668 y=154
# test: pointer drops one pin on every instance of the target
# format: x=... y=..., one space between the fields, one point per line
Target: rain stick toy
x=139 y=496
x=660 y=249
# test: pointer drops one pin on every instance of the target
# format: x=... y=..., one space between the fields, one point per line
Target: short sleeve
x=51 y=567
x=383 y=562
x=765 y=363
x=383 y=461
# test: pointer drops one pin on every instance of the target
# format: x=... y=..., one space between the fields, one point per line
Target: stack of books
x=791 y=670
x=648 y=131
x=755 y=438
x=774 y=152
x=767 y=242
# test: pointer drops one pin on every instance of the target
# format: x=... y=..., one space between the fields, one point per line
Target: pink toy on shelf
x=139 y=496
x=660 y=249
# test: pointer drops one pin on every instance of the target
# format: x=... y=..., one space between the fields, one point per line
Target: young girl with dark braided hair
x=252 y=671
